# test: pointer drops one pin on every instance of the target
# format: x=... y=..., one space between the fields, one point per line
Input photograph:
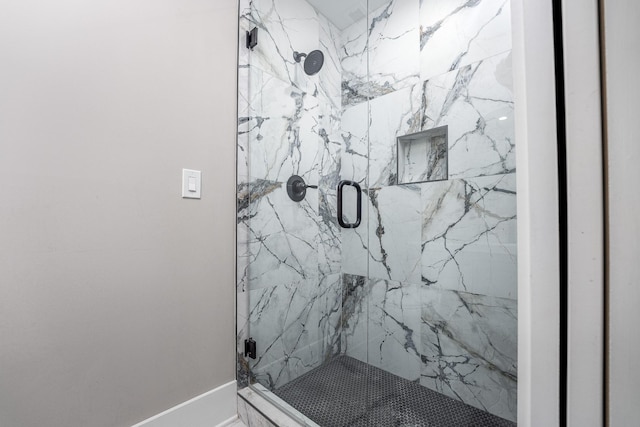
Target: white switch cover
x=191 y=184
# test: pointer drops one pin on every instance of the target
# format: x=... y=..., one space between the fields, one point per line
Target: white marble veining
x=354 y=135
x=392 y=115
x=455 y=33
x=296 y=327
x=282 y=236
x=469 y=235
x=330 y=76
x=476 y=102
x=251 y=417
x=387 y=244
x=476 y=105
x=285 y=26
x=394 y=328
x=354 y=318
x=469 y=349
x=283 y=132
x=383 y=58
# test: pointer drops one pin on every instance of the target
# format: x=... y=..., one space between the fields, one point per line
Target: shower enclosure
x=377 y=211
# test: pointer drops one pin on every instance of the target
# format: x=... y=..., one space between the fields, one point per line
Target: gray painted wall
x=116 y=295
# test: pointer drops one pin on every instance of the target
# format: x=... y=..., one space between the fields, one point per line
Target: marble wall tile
x=285 y=26
x=243 y=256
x=330 y=76
x=394 y=328
x=296 y=327
x=394 y=233
x=386 y=245
x=329 y=240
x=353 y=322
x=469 y=349
x=381 y=324
x=354 y=62
x=476 y=105
x=393 y=43
x=373 y=151
x=469 y=235
x=354 y=135
x=380 y=52
x=392 y=116
x=329 y=164
x=282 y=240
x=455 y=33
x=476 y=102
x=283 y=133
x=355 y=241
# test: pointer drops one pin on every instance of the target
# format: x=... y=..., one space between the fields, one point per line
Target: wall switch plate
x=191 y=184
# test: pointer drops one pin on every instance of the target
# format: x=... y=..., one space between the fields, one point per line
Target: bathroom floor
x=335 y=395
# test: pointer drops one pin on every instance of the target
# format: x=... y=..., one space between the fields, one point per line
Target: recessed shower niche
x=423 y=156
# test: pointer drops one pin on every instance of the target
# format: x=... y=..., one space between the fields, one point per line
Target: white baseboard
x=217 y=406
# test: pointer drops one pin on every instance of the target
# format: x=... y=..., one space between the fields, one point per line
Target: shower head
x=313 y=61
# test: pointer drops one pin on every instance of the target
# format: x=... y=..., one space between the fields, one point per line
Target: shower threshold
x=347 y=392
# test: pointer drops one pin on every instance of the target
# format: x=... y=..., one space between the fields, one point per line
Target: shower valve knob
x=297 y=188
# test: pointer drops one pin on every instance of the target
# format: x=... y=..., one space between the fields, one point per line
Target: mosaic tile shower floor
x=333 y=395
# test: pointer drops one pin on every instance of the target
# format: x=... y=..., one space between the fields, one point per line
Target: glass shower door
x=378 y=210
x=294 y=147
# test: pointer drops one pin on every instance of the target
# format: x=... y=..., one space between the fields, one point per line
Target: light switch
x=191 y=184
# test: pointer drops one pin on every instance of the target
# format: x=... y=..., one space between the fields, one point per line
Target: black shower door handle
x=354 y=184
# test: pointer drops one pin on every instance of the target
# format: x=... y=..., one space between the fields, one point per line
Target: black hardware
x=297 y=189
x=252 y=38
x=250 y=348
x=313 y=61
x=358 y=205
x=297 y=56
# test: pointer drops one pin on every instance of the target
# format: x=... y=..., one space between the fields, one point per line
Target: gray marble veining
x=379 y=54
x=456 y=33
x=469 y=349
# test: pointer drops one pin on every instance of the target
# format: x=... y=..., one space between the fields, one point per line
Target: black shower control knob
x=297 y=188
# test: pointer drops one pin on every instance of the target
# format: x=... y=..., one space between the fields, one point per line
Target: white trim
x=585 y=209
x=231 y=421
x=215 y=407
x=538 y=227
x=622 y=61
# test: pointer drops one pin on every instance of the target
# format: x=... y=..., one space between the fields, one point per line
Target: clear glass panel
x=414 y=309
x=442 y=290
x=303 y=310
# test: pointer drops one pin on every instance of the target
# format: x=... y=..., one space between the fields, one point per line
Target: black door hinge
x=252 y=38
x=250 y=348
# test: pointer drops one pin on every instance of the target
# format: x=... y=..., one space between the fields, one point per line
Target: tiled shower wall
x=288 y=252
x=427 y=290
